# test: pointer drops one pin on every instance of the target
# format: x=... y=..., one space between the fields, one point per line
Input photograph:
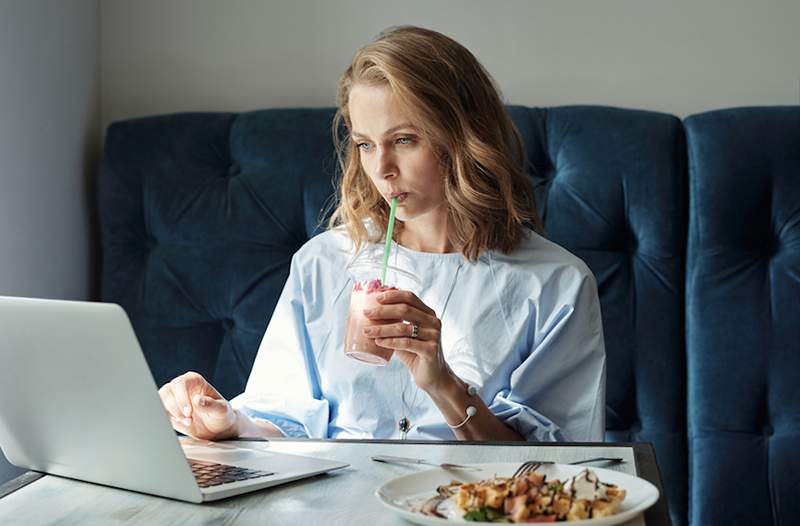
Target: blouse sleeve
x=283 y=386
x=557 y=392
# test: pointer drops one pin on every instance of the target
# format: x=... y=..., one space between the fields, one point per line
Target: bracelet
x=471 y=410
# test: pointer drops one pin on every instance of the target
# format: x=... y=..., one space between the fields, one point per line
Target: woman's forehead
x=375 y=111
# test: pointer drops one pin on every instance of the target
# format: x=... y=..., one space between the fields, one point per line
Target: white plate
x=404 y=495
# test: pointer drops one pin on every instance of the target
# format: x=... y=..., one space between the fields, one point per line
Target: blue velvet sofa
x=691 y=227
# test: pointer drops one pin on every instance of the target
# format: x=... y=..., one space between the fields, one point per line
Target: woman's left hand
x=421 y=354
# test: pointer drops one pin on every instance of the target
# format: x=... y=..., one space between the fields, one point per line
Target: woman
x=503 y=340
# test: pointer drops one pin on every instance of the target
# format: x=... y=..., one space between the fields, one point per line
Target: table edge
x=19 y=482
x=643 y=452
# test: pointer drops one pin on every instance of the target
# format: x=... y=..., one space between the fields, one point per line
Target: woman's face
x=397 y=159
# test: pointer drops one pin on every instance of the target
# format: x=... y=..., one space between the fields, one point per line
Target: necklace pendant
x=404 y=425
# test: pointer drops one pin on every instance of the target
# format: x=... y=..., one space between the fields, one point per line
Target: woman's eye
x=361 y=145
x=404 y=140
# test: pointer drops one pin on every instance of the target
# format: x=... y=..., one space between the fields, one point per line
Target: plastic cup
x=366 y=288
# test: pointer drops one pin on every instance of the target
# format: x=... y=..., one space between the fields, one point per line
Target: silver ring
x=414 y=330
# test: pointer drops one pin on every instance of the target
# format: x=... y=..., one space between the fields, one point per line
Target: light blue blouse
x=524 y=328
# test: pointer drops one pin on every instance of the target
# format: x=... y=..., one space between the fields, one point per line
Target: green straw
x=388 y=246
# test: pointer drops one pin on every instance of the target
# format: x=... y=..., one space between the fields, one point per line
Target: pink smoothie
x=356 y=345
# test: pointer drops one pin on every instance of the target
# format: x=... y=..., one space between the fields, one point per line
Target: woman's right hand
x=196 y=409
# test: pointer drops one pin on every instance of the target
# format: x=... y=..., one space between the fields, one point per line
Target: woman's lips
x=401 y=196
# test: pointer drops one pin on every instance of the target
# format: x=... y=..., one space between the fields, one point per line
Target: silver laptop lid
x=78 y=400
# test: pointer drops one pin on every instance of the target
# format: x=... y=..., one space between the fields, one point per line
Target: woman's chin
x=405 y=217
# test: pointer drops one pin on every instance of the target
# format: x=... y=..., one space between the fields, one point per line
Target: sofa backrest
x=200 y=215
x=743 y=332
x=610 y=186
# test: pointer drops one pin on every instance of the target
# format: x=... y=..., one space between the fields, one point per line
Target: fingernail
x=203 y=402
x=381 y=296
x=186 y=410
x=186 y=421
x=368 y=330
x=368 y=311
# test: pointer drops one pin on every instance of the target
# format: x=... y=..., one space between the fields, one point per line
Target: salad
x=530 y=498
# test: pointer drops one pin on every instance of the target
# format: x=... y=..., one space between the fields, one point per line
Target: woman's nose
x=385 y=166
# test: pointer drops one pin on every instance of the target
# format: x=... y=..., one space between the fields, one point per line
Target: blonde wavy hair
x=454 y=104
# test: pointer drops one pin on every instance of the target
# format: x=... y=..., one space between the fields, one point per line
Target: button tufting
x=227 y=324
x=773 y=245
x=633 y=244
x=150 y=243
x=234 y=170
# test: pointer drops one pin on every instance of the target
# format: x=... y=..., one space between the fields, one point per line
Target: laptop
x=78 y=400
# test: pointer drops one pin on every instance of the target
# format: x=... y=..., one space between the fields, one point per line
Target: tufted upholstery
x=201 y=213
x=610 y=188
x=743 y=334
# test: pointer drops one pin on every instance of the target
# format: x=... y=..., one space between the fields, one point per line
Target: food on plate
x=531 y=498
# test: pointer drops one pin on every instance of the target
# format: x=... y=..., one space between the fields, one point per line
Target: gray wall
x=681 y=56
x=49 y=138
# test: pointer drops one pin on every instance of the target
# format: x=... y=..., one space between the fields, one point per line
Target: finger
x=210 y=406
x=179 y=424
x=168 y=400
x=420 y=348
x=181 y=391
x=171 y=408
x=401 y=311
x=398 y=330
x=210 y=391
x=404 y=296
x=196 y=383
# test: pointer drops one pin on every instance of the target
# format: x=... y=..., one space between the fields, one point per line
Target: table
x=341 y=497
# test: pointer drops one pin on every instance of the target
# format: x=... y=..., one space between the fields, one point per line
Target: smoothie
x=356 y=345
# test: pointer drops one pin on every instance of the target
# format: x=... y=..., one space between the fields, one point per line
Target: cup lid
x=376 y=268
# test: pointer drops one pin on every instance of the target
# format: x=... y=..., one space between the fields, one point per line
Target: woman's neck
x=428 y=235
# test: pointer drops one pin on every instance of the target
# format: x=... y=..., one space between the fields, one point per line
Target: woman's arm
x=452 y=399
x=280 y=393
x=560 y=382
x=197 y=409
x=422 y=354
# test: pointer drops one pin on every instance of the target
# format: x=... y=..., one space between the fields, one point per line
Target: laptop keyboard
x=210 y=474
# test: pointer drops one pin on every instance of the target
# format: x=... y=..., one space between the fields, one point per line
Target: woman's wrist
x=454 y=399
x=244 y=426
x=450 y=396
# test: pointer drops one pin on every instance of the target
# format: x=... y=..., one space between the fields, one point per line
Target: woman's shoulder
x=332 y=246
x=544 y=260
x=336 y=246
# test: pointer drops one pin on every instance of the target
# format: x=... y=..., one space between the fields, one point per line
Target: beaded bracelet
x=471 y=410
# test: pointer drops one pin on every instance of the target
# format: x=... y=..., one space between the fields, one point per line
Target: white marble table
x=343 y=497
